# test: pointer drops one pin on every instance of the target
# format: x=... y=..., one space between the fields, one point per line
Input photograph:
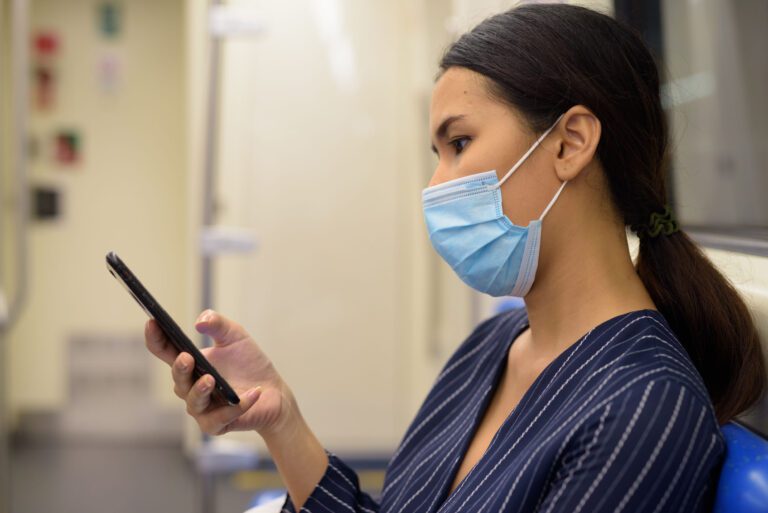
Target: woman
x=605 y=392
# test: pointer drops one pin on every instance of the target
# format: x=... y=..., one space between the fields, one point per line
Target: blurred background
x=267 y=159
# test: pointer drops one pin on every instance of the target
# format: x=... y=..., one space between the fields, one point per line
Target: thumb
x=221 y=329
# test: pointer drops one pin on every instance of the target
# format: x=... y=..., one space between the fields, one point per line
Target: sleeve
x=337 y=491
x=657 y=449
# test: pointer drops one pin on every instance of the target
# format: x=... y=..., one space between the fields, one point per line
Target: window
x=712 y=58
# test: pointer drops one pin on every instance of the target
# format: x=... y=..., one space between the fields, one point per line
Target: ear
x=579 y=133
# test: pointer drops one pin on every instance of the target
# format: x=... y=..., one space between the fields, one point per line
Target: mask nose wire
x=528 y=154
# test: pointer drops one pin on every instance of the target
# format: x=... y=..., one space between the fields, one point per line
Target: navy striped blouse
x=620 y=421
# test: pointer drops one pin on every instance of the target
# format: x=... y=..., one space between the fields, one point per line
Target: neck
x=590 y=283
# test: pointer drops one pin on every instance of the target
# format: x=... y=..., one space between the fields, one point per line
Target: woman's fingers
x=213 y=419
x=222 y=330
x=199 y=397
x=181 y=370
x=220 y=420
x=157 y=343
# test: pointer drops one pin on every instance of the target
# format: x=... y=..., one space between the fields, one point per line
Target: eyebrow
x=443 y=128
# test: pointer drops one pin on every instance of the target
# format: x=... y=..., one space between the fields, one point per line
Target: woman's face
x=473 y=132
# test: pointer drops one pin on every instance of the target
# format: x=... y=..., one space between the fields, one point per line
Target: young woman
x=605 y=392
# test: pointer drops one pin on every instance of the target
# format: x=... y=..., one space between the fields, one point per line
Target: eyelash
x=457 y=148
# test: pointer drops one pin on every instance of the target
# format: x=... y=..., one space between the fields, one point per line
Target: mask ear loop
x=553 y=200
x=528 y=154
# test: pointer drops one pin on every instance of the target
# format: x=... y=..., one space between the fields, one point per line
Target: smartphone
x=180 y=341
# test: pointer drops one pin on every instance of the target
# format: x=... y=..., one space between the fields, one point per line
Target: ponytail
x=709 y=318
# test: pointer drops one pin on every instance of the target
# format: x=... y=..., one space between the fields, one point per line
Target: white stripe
x=345 y=478
x=434 y=440
x=573 y=415
x=695 y=477
x=554 y=396
x=684 y=356
x=352 y=485
x=688 y=376
x=423 y=460
x=449 y=398
x=418 y=492
x=597 y=373
x=583 y=457
x=617 y=449
x=350 y=508
x=654 y=454
x=679 y=472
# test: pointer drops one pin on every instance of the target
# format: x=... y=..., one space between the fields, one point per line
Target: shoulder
x=654 y=444
x=635 y=375
x=635 y=349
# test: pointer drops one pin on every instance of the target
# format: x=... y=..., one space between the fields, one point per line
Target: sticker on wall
x=108 y=71
x=45 y=52
x=44 y=87
x=46 y=44
x=46 y=204
x=110 y=19
x=68 y=147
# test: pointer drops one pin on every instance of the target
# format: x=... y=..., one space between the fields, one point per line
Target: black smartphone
x=180 y=341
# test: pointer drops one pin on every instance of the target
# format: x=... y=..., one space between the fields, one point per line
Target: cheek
x=445 y=172
x=528 y=191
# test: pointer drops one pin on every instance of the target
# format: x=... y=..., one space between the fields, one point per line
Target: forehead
x=456 y=92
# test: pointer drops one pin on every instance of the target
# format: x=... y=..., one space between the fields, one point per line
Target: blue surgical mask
x=468 y=228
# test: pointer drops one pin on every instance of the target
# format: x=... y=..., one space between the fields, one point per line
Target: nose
x=438 y=177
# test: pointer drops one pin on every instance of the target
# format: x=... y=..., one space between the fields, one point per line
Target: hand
x=266 y=403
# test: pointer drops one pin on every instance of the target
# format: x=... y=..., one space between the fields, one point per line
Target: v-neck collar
x=490 y=379
x=493 y=379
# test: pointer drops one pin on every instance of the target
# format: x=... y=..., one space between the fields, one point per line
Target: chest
x=518 y=375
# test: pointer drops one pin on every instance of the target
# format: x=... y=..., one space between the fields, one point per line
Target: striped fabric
x=620 y=421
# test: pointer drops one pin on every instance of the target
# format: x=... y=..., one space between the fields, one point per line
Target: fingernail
x=252 y=393
x=206 y=385
x=205 y=316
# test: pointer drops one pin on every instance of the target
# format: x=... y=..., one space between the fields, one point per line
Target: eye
x=459 y=144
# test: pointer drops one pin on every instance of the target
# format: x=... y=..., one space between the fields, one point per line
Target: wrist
x=288 y=424
x=298 y=455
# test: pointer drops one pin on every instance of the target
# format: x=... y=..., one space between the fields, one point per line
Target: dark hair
x=542 y=60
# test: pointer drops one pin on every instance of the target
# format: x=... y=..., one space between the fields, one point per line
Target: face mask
x=468 y=228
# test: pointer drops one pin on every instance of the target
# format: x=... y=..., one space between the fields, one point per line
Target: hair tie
x=660 y=224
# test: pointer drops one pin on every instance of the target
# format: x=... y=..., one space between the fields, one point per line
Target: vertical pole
x=5 y=476
x=19 y=67
x=207 y=477
x=20 y=63
x=211 y=154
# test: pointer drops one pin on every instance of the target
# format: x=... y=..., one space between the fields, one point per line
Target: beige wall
x=324 y=150
x=318 y=160
x=129 y=193
x=468 y=13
